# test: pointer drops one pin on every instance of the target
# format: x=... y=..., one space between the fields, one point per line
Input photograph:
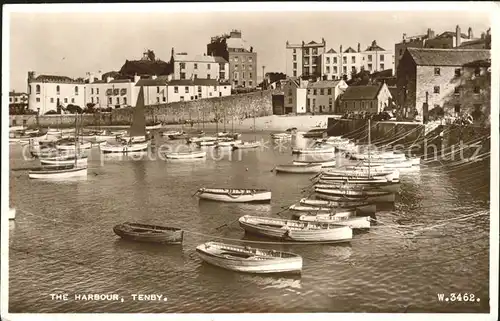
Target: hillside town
x=423 y=77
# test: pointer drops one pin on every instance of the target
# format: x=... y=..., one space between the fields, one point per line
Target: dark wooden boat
x=316 y=133
x=149 y=233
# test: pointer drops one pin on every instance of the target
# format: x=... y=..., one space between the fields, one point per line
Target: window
x=176 y=89
x=195 y=97
x=381 y=57
x=221 y=75
x=91 y=100
x=243 y=75
x=209 y=76
x=125 y=100
x=65 y=100
x=235 y=67
x=330 y=103
x=195 y=76
x=164 y=99
x=37 y=89
x=117 y=100
x=344 y=69
x=436 y=89
x=314 y=102
x=327 y=69
x=329 y=91
x=97 y=100
x=327 y=60
x=37 y=99
x=250 y=59
x=244 y=83
x=208 y=66
x=222 y=66
x=400 y=52
x=250 y=75
x=97 y=91
x=199 y=89
x=315 y=91
x=195 y=66
x=290 y=100
x=182 y=65
x=295 y=73
x=236 y=59
x=315 y=51
x=182 y=98
x=437 y=71
x=215 y=88
x=157 y=100
x=370 y=58
x=73 y=100
x=353 y=59
x=322 y=91
x=457 y=90
x=294 y=50
x=157 y=90
x=306 y=61
x=382 y=66
x=243 y=66
x=110 y=101
x=183 y=75
x=345 y=59
x=457 y=108
x=370 y=67
x=250 y=83
x=335 y=70
x=334 y=60
x=76 y=90
x=235 y=75
x=294 y=65
x=91 y=91
x=458 y=72
x=477 y=90
x=477 y=72
x=307 y=51
x=186 y=89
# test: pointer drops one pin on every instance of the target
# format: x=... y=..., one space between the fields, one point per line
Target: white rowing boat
x=123 y=148
x=314 y=150
x=298 y=169
x=249 y=260
x=385 y=186
x=58 y=173
x=65 y=160
x=186 y=155
x=340 y=195
x=295 y=230
x=235 y=195
x=247 y=145
x=327 y=163
x=362 y=222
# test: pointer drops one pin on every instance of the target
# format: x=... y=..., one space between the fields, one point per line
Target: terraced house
x=110 y=92
x=185 y=67
x=303 y=60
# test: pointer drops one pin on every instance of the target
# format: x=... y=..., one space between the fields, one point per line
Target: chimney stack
x=458 y=36
x=470 y=34
x=488 y=32
x=430 y=33
x=359 y=47
x=483 y=35
x=136 y=78
x=340 y=48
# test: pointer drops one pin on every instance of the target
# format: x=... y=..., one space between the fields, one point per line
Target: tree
x=74 y=109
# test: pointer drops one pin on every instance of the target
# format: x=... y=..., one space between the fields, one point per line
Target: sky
x=74 y=43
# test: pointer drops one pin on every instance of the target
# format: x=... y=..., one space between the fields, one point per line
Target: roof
x=479 y=63
x=115 y=81
x=53 y=78
x=361 y=92
x=237 y=43
x=331 y=51
x=144 y=67
x=297 y=83
x=220 y=60
x=447 y=34
x=375 y=47
x=323 y=84
x=195 y=82
x=447 y=57
x=350 y=50
x=194 y=58
x=13 y=93
x=312 y=42
x=205 y=82
x=151 y=82
x=473 y=42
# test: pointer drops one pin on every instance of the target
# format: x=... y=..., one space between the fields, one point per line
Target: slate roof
x=116 y=81
x=350 y=50
x=144 y=67
x=150 y=82
x=361 y=92
x=323 y=84
x=53 y=78
x=447 y=34
x=331 y=51
x=14 y=93
x=466 y=44
x=375 y=48
x=220 y=60
x=447 y=57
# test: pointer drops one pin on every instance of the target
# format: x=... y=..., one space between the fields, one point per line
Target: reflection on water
x=63 y=238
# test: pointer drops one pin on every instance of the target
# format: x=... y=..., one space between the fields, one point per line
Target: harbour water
x=62 y=241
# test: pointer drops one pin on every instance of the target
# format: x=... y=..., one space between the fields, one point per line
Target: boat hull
x=298 y=169
x=86 y=145
x=234 y=196
x=327 y=150
x=362 y=222
x=135 y=147
x=186 y=155
x=387 y=198
x=58 y=173
x=323 y=164
x=54 y=161
x=164 y=237
x=385 y=186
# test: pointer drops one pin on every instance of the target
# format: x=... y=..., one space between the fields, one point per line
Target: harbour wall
x=237 y=107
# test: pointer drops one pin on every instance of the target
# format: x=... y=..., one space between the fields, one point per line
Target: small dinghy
x=149 y=233
x=123 y=148
x=182 y=135
x=171 y=132
x=155 y=126
x=298 y=169
x=247 y=145
x=201 y=139
x=249 y=260
x=12 y=213
x=73 y=147
x=228 y=135
x=362 y=222
x=326 y=163
x=235 y=195
x=349 y=195
x=291 y=230
x=186 y=155
x=315 y=150
x=65 y=160
x=384 y=186
x=229 y=143
x=330 y=210
x=322 y=203
x=58 y=172
x=281 y=136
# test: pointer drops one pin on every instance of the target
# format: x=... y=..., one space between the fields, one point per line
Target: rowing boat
x=186 y=155
x=362 y=222
x=149 y=233
x=326 y=163
x=58 y=172
x=291 y=230
x=235 y=195
x=251 y=260
x=314 y=150
x=247 y=145
x=385 y=186
x=298 y=169
x=348 y=195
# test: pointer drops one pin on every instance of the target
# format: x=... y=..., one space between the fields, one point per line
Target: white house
x=199 y=66
x=322 y=96
x=111 y=92
x=47 y=92
x=295 y=96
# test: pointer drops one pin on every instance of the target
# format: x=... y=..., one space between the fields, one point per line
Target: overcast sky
x=72 y=44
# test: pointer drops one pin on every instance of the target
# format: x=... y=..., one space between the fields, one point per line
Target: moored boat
x=314 y=150
x=298 y=169
x=149 y=233
x=72 y=146
x=326 y=163
x=235 y=195
x=362 y=222
x=186 y=155
x=345 y=210
x=291 y=230
x=281 y=136
x=348 y=195
x=182 y=135
x=315 y=133
x=385 y=186
x=123 y=148
x=247 y=145
x=247 y=259
x=58 y=172
x=65 y=160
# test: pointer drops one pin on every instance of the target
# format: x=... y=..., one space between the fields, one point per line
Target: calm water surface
x=62 y=241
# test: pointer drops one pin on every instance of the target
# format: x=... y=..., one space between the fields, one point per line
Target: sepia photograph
x=226 y=161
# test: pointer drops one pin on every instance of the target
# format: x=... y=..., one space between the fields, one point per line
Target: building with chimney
x=346 y=62
x=239 y=54
x=323 y=96
x=371 y=99
x=51 y=92
x=445 y=40
x=188 y=67
x=304 y=60
x=448 y=80
x=110 y=92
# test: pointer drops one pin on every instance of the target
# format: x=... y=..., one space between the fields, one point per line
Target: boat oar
x=315 y=176
x=198 y=191
x=273 y=169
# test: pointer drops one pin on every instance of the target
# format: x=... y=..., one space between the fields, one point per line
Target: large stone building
x=345 y=63
x=322 y=96
x=449 y=81
x=49 y=92
x=303 y=60
x=240 y=55
x=186 y=67
x=371 y=99
x=445 y=40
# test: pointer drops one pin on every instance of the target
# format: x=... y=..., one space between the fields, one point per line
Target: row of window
x=236 y=74
x=237 y=59
x=52 y=100
x=322 y=91
x=437 y=90
x=243 y=83
x=16 y=99
x=250 y=67
x=458 y=72
x=195 y=76
x=308 y=51
x=186 y=89
x=58 y=89
x=183 y=65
